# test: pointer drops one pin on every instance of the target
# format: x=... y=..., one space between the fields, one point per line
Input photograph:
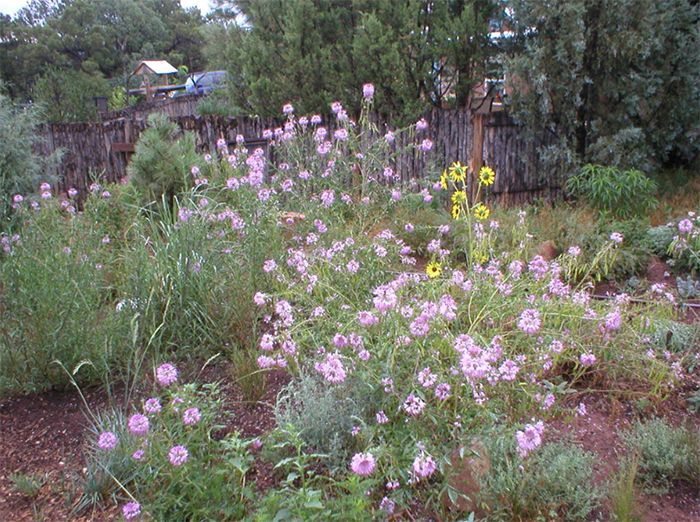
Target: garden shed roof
x=154 y=67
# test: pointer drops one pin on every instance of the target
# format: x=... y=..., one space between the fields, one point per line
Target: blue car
x=205 y=82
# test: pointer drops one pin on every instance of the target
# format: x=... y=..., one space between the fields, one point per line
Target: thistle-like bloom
x=152 y=406
x=423 y=466
x=191 y=416
x=138 y=424
x=413 y=405
x=166 y=374
x=131 y=510
x=107 y=441
x=178 y=455
x=368 y=91
x=363 y=464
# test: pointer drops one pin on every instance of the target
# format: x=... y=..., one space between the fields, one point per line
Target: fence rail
x=102 y=149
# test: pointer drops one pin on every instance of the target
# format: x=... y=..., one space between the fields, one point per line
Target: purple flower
x=107 y=441
x=685 y=226
x=381 y=417
x=288 y=109
x=138 y=454
x=423 y=466
x=138 y=424
x=529 y=321
x=387 y=505
x=616 y=238
x=166 y=374
x=413 y=405
x=529 y=438
x=426 y=145
x=152 y=406
x=191 y=416
x=368 y=91
x=442 y=391
x=131 y=510
x=389 y=137
x=332 y=369
x=587 y=359
x=315 y=119
x=421 y=124
x=363 y=464
x=178 y=455
x=17 y=198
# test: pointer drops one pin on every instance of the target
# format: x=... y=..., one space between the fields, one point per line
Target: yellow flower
x=482 y=258
x=433 y=269
x=456 y=211
x=486 y=176
x=443 y=180
x=459 y=196
x=481 y=211
x=458 y=172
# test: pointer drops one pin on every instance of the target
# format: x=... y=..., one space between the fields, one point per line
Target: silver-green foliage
x=665 y=453
x=555 y=481
x=325 y=413
x=21 y=169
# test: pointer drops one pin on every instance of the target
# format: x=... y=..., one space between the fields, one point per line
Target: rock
x=467 y=467
x=548 y=250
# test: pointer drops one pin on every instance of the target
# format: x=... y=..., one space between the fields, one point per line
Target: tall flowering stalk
x=474 y=213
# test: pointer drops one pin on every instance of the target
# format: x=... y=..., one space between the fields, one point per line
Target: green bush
x=623 y=194
x=164 y=157
x=21 y=169
x=325 y=415
x=556 y=481
x=665 y=454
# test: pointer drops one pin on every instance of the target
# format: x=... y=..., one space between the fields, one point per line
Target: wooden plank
x=122 y=147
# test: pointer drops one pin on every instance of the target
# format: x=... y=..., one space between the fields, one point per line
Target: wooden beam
x=118 y=146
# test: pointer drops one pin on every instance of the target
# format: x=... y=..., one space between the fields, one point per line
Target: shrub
x=665 y=454
x=21 y=169
x=160 y=167
x=325 y=415
x=556 y=481
x=623 y=194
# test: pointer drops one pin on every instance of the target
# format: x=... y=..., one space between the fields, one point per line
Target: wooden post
x=477 y=155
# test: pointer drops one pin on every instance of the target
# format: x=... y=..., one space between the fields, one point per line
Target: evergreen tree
x=418 y=53
x=613 y=81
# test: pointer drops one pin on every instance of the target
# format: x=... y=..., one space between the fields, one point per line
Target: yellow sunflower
x=458 y=172
x=459 y=196
x=456 y=211
x=481 y=211
x=486 y=176
x=433 y=269
x=443 y=180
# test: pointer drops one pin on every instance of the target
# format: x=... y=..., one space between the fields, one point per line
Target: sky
x=12 y=6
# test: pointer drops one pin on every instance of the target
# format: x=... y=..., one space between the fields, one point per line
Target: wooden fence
x=101 y=150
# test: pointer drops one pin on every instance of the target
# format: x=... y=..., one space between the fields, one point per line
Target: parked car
x=205 y=82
